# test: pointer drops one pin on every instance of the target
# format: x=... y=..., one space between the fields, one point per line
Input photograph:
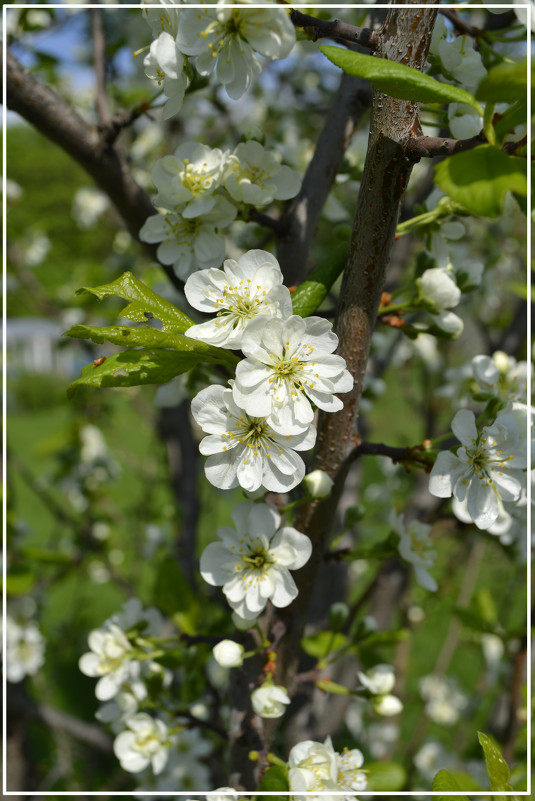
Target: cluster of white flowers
x=223 y=40
x=379 y=681
x=444 y=700
x=498 y=376
x=119 y=658
x=25 y=649
x=317 y=768
x=199 y=189
x=256 y=426
x=490 y=466
x=415 y=547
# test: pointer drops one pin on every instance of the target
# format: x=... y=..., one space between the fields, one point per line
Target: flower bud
x=387 y=705
x=318 y=484
x=269 y=700
x=228 y=653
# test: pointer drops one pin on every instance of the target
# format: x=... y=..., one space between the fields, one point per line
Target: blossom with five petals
x=489 y=466
x=255 y=176
x=289 y=364
x=239 y=292
x=416 y=548
x=317 y=767
x=189 y=244
x=253 y=561
x=145 y=742
x=190 y=176
x=225 y=39
x=270 y=700
x=244 y=450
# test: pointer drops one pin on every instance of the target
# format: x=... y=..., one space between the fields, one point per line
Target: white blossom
x=228 y=653
x=242 y=290
x=112 y=657
x=415 y=547
x=317 y=767
x=189 y=244
x=502 y=376
x=269 y=701
x=464 y=121
x=444 y=700
x=88 y=204
x=190 y=176
x=162 y=15
x=164 y=63
x=253 y=561
x=246 y=451
x=386 y=705
x=255 y=176
x=25 y=650
x=288 y=364
x=144 y=742
x=318 y=483
x=438 y=290
x=225 y=40
x=488 y=467
x=379 y=680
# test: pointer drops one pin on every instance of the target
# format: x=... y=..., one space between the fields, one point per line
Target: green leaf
x=504 y=83
x=398 y=80
x=143 y=303
x=312 y=292
x=479 y=179
x=275 y=779
x=323 y=643
x=149 y=337
x=497 y=768
x=385 y=776
x=135 y=367
x=444 y=782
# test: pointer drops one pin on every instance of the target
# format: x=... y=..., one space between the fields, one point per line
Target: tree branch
x=417 y=147
x=52 y=116
x=405 y=37
x=99 y=60
x=336 y=29
x=415 y=453
x=21 y=705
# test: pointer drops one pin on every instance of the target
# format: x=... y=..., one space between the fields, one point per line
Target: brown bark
x=405 y=37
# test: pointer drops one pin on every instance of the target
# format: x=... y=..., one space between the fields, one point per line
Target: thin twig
x=462 y=26
x=414 y=453
x=336 y=29
x=417 y=147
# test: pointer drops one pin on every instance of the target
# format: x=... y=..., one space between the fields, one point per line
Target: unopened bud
x=318 y=484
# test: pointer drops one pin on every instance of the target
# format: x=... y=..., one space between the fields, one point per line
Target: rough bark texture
x=406 y=36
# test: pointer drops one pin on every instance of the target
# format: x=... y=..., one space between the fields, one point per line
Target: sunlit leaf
x=479 y=179
x=398 y=80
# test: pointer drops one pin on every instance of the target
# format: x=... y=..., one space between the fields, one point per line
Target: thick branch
x=301 y=218
x=406 y=37
x=336 y=29
x=108 y=167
